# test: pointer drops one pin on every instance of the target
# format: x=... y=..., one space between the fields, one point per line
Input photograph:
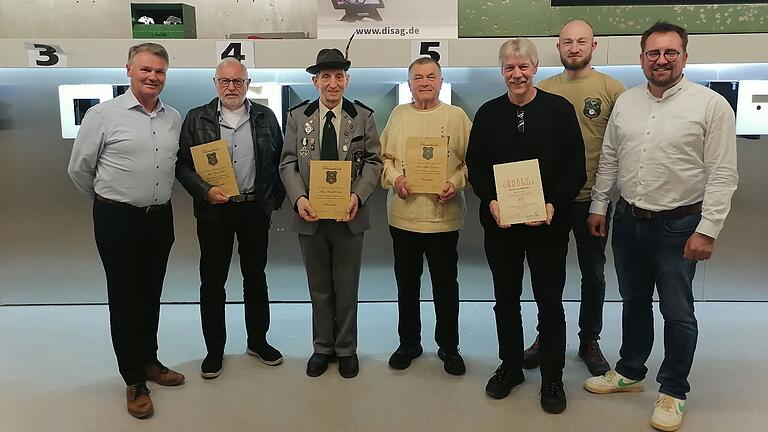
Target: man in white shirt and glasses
x=670 y=149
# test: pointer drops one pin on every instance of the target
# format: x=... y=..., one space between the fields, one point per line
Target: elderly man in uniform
x=331 y=128
x=254 y=141
x=426 y=223
x=123 y=160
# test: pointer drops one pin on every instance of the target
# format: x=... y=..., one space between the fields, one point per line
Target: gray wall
x=47 y=253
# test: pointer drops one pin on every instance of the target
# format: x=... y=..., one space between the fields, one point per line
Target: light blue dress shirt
x=240 y=143
x=126 y=154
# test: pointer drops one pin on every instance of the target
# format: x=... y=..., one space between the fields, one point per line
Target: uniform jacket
x=302 y=143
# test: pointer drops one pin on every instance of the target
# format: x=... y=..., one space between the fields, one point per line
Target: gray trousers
x=332 y=258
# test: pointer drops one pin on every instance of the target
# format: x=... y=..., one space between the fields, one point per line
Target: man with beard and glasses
x=593 y=95
x=522 y=124
x=670 y=149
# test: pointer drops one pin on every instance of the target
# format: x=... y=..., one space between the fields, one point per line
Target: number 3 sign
x=42 y=55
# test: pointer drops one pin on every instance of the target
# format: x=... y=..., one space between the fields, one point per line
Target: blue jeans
x=648 y=253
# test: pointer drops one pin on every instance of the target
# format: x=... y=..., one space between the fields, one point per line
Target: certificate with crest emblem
x=426 y=163
x=520 y=192
x=329 y=188
x=214 y=165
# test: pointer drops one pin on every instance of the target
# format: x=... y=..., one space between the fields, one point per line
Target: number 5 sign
x=241 y=50
x=435 y=49
x=42 y=55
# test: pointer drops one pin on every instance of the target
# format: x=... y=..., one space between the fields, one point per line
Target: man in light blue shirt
x=123 y=160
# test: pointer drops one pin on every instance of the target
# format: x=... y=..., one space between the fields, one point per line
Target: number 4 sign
x=42 y=55
x=241 y=50
x=435 y=49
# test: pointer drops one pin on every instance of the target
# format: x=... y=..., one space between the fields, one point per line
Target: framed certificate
x=214 y=165
x=329 y=188
x=520 y=192
x=426 y=160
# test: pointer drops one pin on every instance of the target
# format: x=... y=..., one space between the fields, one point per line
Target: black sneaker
x=211 y=367
x=531 y=357
x=403 y=356
x=318 y=364
x=552 y=395
x=589 y=351
x=452 y=361
x=502 y=381
x=267 y=354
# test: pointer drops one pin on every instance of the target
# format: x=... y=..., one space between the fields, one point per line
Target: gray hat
x=329 y=58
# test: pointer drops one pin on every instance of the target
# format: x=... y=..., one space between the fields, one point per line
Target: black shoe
x=266 y=353
x=349 y=366
x=552 y=395
x=403 y=356
x=502 y=381
x=452 y=361
x=211 y=367
x=531 y=357
x=318 y=364
x=589 y=351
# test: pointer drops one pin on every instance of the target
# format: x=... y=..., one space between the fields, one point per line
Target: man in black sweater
x=527 y=123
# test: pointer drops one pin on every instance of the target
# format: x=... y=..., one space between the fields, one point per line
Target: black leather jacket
x=202 y=126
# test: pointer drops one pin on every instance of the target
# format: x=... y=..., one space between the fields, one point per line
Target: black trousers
x=250 y=224
x=506 y=252
x=442 y=258
x=134 y=248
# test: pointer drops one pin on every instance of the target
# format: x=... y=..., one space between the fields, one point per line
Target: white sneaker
x=668 y=414
x=612 y=382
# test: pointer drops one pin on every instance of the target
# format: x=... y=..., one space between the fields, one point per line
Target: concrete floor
x=58 y=373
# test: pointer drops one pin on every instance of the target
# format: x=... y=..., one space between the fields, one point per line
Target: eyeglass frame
x=520 y=121
x=232 y=81
x=657 y=55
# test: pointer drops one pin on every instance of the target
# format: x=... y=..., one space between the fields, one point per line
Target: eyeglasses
x=520 y=120
x=224 y=82
x=669 y=55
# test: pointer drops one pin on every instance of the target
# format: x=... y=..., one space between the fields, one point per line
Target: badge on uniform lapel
x=308 y=128
x=344 y=148
x=303 y=150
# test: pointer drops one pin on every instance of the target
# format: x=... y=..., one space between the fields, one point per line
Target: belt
x=675 y=213
x=147 y=209
x=247 y=197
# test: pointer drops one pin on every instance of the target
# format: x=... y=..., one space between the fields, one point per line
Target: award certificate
x=520 y=192
x=329 y=188
x=426 y=160
x=214 y=165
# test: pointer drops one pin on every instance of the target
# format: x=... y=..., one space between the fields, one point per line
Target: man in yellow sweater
x=593 y=95
x=426 y=223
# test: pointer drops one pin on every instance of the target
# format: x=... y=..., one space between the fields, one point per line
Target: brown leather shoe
x=164 y=376
x=139 y=402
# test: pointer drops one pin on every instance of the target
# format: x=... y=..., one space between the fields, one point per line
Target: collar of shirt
x=247 y=105
x=670 y=92
x=336 y=112
x=131 y=102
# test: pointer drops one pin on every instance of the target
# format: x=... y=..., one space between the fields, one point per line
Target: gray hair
x=150 y=47
x=231 y=60
x=423 y=61
x=519 y=47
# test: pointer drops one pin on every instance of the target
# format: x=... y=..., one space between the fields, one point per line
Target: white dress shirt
x=668 y=152
x=336 y=121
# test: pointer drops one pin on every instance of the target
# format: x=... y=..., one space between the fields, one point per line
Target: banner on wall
x=387 y=19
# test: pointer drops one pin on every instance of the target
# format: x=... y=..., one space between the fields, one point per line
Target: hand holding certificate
x=426 y=160
x=519 y=192
x=214 y=165
x=329 y=188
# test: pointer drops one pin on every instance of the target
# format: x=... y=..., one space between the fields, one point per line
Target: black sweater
x=551 y=135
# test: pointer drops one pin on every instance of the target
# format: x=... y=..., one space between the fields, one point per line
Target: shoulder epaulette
x=357 y=102
x=299 y=105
